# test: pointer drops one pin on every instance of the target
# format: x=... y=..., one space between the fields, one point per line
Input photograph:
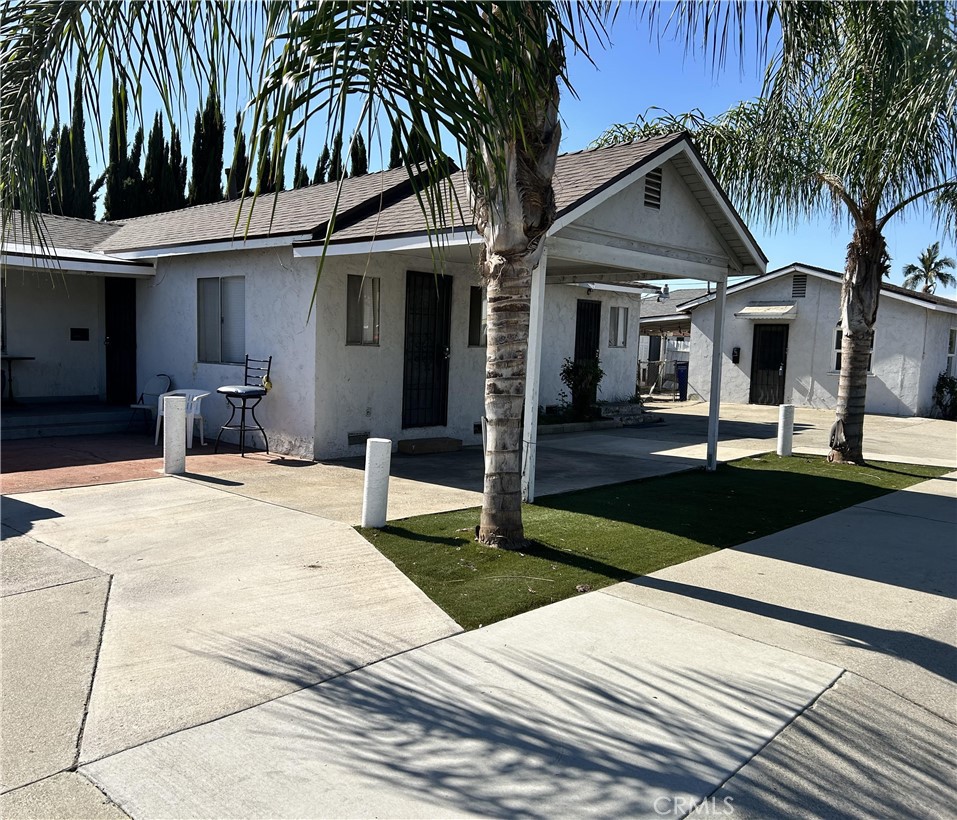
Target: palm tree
x=488 y=74
x=865 y=125
x=931 y=272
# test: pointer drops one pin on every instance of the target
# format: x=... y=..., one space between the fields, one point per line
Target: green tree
x=237 y=175
x=124 y=181
x=206 y=182
x=74 y=191
x=300 y=176
x=395 y=150
x=322 y=167
x=358 y=158
x=337 y=170
x=864 y=125
x=157 y=174
x=176 y=198
x=931 y=272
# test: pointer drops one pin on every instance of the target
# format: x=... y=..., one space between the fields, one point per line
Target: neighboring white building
x=782 y=343
x=388 y=341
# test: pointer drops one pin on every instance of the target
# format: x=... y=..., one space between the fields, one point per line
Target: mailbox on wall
x=735 y=355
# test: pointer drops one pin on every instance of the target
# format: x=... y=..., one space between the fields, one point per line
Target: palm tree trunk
x=866 y=262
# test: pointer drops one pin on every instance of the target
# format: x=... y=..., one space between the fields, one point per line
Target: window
x=952 y=353
x=799 y=286
x=362 y=310
x=653 y=189
x=478 y=316
x=618 y=327
x=838 y=336
x=221 y=306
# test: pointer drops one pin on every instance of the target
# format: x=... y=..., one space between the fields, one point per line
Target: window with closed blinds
x=221 y=319
x=618 y=327
x=362 y=310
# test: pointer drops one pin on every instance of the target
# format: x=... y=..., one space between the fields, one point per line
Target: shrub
x=582 y=380
x=945 y=397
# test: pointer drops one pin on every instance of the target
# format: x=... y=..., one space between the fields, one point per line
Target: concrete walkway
x=217 y=646
x=809 y=673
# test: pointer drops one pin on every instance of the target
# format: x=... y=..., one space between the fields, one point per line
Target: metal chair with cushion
x=146 y=403
x=245 y=398
x=194 y=413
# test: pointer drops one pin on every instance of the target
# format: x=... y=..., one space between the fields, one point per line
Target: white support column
x=717 y=354
x=533 y=367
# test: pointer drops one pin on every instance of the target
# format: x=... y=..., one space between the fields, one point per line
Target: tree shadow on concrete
x=512 y=732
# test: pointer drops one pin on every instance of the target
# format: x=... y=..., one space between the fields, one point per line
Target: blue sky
x=634 y=73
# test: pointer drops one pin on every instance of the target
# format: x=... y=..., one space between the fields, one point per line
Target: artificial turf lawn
x=592 y=538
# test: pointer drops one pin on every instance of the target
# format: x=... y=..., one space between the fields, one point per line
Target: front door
x=587 y=326
x=769 y=356
x=120 y=331
x=425 y=383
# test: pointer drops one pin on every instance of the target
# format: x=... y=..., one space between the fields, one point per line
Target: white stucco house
x=389 y=340
x=782 y=343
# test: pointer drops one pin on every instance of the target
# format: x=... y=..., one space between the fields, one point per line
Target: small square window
x=362 y=310
x=838 y=337
x=952 y=353
x=618 y=327
x=478 y=317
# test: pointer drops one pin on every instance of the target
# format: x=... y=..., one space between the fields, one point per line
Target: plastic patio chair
x=194 y=400
x=146 y=402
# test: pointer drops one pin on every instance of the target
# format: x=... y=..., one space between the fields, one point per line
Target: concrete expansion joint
x=78 y=766
x=54 y=586
x=903 y=697
x=798 y=714
x=96 y=662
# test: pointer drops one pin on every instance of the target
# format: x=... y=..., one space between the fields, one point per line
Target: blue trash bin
x=681 y=375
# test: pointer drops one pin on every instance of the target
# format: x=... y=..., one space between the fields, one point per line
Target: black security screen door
x=120 y=331
x=587 y=325
x=769 y=364
x=425 y=384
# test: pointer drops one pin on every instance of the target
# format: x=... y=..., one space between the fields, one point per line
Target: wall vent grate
x=799 y=286
x=358 y=438
x=653 y=189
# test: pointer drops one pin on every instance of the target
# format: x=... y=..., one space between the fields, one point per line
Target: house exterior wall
x=619 y=363
x=910 y=349
x=41 y=307
x=277 y=293
x=679 y=225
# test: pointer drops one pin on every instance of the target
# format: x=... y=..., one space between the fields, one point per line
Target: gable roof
x=301 y=211
x=61 y=232
x=927 y=300
x=651 y=308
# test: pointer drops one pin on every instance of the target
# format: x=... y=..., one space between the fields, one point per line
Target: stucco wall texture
x=910 y=349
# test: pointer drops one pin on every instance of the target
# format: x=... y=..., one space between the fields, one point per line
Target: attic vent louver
x=799 y=286
x=653 y=189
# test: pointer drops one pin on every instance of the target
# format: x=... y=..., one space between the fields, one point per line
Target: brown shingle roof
x=62 y=232
x=651 y=307
x=578 y=177
x=299 y=211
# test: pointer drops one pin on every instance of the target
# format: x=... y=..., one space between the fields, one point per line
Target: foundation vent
x=358 y=438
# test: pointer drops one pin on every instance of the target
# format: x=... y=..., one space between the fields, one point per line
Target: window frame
x=952 y=352
x=838 y=336
x=226 y=323
x=617 y=329
x=478 y=307
x=366 y=289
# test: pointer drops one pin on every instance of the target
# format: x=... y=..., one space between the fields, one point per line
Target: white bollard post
x=375 y=492
x=785 y=429
x=174 y=435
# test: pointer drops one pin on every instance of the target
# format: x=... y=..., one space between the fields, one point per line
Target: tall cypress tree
x=157 y=181
x=75 y=196
x=322 y=166
x=177 y=168
x=206 y=183
x=359 y=158
x=395 y=150
x=337 y=170
x=124 y=182
x=237 y=175
x=300 y=176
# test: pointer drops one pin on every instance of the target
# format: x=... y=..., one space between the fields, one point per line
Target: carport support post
x=533 y=368
x=785 y=429
x=717 y=354
x=174 y=435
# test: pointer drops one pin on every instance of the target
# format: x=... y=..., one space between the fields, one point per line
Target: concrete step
x=427 y=446
x=18 y=424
